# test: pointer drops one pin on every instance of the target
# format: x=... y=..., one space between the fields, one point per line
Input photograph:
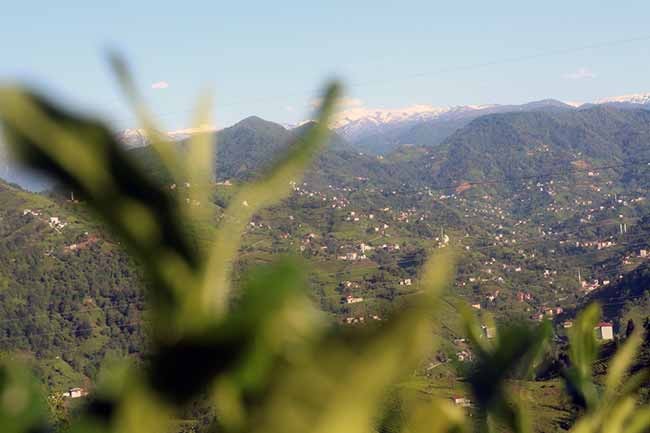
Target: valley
x=544 y=209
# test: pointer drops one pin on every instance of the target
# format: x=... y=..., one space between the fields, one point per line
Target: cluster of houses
x=359 y=320
x=352 y=256
x=599 y=245
x=54 y=222
x=352 y=299
x=335 y=201
x=547 y=313
x=491 y=211
x=358 y=252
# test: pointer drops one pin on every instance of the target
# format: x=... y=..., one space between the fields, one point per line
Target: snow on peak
x=379 y=115
x=634 y=98
x=355 y=121
x=137 y=137
x=574 y=104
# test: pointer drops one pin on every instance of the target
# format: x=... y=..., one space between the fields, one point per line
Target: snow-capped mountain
x=382 y=130
x=634 y=98
x=357 y=122
x=361 y=125
x=136 y=137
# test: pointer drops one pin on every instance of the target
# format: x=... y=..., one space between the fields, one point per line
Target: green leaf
x=165 y=149
x=583 y=351
x=272 y=187
x=513 y=355
x=621 y=363
x=84 y=155
x=22 y=406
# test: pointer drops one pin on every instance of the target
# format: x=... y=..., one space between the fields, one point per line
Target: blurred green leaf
x=22 y=405
x=583 y=350
x=622 y=362
x=513 y=355
x=272 y=187
x=84 y=155
x=166 y=151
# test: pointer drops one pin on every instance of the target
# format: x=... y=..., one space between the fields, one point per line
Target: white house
x=75 y=393
x=352 y=300
x=605 y=331
x=488 y=332
x=461 y=401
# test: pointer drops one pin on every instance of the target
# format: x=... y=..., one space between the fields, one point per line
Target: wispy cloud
x=580 y=74
x=160 y=85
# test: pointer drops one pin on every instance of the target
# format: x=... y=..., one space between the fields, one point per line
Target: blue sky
x=270 y=58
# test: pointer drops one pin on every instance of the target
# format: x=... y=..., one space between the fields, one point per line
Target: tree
x=629 y=329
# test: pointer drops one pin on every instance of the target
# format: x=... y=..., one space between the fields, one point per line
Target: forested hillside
x=69 y=296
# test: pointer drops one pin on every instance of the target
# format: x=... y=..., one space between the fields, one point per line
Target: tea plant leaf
x=621 y=362
x=272 y=187
x=583 y=350
x=158 y=141
x=512 y=355
x=84 y=155
x=22 y=407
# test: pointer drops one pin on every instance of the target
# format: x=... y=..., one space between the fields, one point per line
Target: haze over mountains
x=249 y=143
x=531 y=141
x=380 y=131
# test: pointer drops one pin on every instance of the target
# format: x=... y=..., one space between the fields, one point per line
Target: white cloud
x=160 y=85
x=580 y=74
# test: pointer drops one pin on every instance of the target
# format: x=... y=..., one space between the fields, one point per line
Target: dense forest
x=67 y=291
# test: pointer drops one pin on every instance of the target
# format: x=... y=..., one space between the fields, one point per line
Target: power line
x=462 y=68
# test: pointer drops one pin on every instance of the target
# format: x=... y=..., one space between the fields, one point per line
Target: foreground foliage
x=263 y=358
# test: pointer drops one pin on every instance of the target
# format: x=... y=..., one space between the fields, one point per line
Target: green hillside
x=68 y=295
x=534 y=203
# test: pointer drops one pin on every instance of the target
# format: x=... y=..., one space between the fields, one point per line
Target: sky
x=271 y=59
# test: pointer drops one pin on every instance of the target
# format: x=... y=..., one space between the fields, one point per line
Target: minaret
x=579 y=277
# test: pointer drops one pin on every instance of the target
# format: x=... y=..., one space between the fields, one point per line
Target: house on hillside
x=352 y=299
x=605 y=331
x=488 y=332
x=75 y=393
x=461 y=401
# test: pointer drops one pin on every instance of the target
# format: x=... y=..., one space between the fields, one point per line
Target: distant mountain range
x=249 y=145
x=381 y=131
x=521 y=142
